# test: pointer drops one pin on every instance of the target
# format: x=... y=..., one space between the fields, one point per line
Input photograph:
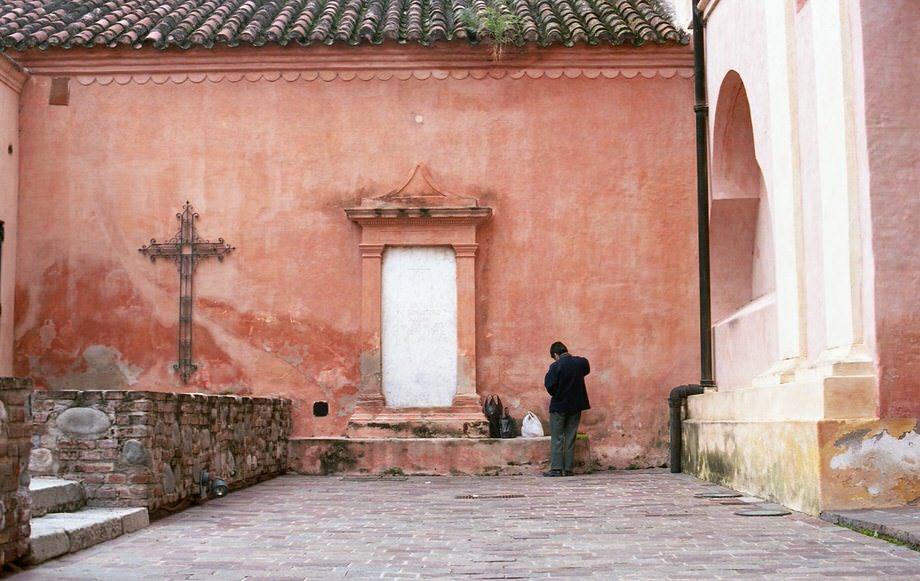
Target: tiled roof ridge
x=44 y=24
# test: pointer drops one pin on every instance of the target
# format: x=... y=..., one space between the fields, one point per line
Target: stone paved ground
x=614 y=525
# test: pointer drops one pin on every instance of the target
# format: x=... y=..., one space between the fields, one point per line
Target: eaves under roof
x=43 y=24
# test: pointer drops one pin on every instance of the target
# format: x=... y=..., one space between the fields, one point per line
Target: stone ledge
x=431 y=456
x=55 y=495
x=838 y=398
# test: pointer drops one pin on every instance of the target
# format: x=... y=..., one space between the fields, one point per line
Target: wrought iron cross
x=186 y=249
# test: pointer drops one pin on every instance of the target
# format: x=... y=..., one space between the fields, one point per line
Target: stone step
x=57 y=534
x=55 y=495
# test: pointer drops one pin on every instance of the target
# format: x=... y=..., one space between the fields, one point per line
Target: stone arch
x=741 y=244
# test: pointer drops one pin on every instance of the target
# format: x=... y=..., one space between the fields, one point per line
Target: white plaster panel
x=419 y=338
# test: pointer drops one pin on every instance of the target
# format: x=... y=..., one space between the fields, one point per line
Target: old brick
x=15 y=397
x=98 y=467
x=103 y=493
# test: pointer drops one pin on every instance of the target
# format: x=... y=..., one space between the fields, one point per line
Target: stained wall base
x=433 y=456
x=811 y=466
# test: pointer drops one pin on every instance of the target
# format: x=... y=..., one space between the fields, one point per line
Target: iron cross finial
x=186 y=249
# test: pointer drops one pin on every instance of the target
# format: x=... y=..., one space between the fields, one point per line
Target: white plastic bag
x=531 y=426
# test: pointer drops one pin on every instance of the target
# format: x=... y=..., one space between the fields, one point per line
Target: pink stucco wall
x=10 y=82
x=892 y=132
x=592 y=240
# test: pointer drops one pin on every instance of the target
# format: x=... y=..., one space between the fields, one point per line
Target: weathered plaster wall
x=892 y=131
x=138 y=448
x=11 y=80
x=592 y=240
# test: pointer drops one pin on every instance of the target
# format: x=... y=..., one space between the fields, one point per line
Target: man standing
x=565 y=382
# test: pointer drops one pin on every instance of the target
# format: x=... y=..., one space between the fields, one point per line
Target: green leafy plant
x=495 y=24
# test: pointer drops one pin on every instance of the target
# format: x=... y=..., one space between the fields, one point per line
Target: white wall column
x=839 y=179
x=784 y=183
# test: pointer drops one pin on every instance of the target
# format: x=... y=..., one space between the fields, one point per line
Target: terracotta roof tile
x=186 y=23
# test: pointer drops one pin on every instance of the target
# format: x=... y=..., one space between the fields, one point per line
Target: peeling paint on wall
x=870 y=463
x=873 y=460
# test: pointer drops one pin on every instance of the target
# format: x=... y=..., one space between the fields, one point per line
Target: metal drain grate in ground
x=763 y=512
x=487 y=496
x=718 y=495
x=375 y=478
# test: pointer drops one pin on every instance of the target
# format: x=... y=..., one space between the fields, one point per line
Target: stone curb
x=902 y=524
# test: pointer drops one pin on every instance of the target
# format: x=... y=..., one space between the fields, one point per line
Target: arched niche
x=741 y=245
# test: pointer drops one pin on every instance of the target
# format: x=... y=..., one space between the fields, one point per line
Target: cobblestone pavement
x=614 y=525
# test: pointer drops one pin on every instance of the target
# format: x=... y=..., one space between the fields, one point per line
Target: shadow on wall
x=741 y=246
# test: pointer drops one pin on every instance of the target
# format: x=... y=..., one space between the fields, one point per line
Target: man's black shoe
x=568 y=473
x=553 y=473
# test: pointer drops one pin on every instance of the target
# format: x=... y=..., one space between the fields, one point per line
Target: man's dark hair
x=558 y=348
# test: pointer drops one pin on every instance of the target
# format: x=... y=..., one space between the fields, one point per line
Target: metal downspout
x=679 y=394
x=701 y=108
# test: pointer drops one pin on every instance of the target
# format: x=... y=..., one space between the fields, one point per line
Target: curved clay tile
x=367 y=29
x=393 y=17
x=414 y=22
x=59 y=38
x=304 y=21
x=64 y=23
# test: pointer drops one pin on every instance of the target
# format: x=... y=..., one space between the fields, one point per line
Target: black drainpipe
x=679 y=394
x=675 y=406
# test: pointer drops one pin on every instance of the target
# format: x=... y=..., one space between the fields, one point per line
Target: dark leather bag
x=492 y=408
x=507 y=427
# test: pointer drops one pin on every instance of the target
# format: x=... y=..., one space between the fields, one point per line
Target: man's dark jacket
x=565 y=381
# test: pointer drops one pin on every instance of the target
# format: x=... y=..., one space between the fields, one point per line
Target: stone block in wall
x=15 y=447
x=152 y=447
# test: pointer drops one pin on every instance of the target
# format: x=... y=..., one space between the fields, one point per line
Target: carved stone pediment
x=419 y=196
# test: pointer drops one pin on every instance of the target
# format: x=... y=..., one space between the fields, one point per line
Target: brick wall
x=15 y=430
x=136 y=448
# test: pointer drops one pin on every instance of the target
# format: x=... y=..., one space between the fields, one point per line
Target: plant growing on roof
x=494 y=23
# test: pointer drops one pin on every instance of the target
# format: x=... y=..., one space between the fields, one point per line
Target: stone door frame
x=418 y=213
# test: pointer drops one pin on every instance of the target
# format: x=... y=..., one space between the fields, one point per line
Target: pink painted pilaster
x=466 y=319
x=371 y=388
